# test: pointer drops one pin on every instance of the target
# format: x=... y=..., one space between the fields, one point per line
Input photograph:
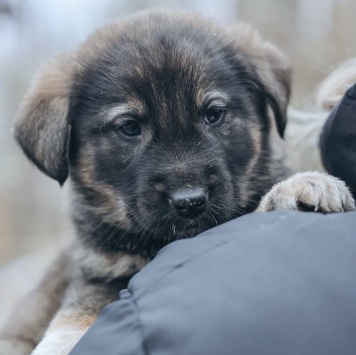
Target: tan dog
x=167 y=125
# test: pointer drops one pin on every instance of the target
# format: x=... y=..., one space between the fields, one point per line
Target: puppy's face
x=169 y=127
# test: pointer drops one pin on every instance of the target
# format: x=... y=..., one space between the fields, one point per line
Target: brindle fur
x=164 y=70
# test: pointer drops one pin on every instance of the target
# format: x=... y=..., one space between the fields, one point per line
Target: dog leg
x=309 y=191
x=65 y=331
x=27 y=324
x=83 y=303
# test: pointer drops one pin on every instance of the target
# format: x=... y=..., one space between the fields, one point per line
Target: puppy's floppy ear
x=41 y=127
x=270 y=66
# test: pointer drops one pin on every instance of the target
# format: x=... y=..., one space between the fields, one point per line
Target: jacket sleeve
x=338 y=140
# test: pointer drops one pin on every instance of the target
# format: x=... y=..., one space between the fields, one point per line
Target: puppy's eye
x=214 y=115
x=130 y=128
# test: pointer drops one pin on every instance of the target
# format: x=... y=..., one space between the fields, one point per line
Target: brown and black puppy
x=167 y=125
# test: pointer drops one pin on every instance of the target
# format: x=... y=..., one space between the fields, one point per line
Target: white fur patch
x=215 y=97
x=59 y=342
x=114 y=112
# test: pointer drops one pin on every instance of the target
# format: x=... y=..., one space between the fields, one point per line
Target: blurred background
x=316 y=35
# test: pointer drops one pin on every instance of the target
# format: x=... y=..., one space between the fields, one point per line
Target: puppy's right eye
x=214 y=115
x=130 y=128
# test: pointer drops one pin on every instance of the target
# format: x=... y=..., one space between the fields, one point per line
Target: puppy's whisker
x=112 y=233
x=99 y=225
x=99 y=202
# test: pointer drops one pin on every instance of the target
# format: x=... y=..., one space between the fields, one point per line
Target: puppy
x=167 y=125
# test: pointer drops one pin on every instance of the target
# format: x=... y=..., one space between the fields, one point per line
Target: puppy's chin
x=165 y=236
x=175 y=228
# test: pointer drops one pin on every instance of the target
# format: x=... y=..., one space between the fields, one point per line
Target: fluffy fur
x=167 y=125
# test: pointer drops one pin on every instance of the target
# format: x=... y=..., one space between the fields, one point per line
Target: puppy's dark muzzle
x=188 y=202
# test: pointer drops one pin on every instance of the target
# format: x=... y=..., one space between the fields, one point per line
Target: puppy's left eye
x=130 y=128
x=214 y=115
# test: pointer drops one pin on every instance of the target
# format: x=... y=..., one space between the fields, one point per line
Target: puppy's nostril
x=189 y=202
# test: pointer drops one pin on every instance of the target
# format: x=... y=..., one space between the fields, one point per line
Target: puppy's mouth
x=169 y=228
x=183 y=212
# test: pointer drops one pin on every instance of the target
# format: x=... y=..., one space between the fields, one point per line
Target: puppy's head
x=162 y=123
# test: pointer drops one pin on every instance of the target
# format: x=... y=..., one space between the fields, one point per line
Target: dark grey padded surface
x=338 y=140
x=271 y=283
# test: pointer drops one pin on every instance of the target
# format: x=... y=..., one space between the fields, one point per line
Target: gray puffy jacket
x=266 y=283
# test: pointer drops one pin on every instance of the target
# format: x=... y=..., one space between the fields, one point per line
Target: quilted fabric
x=266 y=283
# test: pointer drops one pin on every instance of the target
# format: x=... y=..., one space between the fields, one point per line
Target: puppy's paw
x=309 y=191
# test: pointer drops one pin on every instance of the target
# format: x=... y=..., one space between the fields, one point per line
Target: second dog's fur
x=167 y=125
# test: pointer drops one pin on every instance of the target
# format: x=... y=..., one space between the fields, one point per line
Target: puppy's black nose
x=189 y=202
